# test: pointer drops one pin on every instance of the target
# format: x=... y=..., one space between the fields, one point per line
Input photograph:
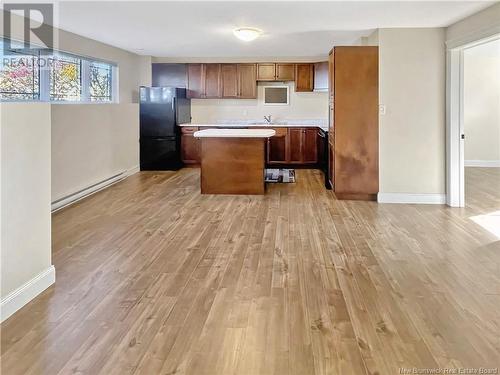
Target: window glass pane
x=19 y=76
x=65 y=78
x=100 y=82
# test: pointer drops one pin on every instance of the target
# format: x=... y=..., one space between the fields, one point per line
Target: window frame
x=44 y=79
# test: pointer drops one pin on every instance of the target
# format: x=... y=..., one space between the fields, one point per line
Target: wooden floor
x=154 y=278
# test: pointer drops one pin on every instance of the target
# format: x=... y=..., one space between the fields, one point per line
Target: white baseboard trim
x=74 y=197
x=26 y=292
x=483 y=163
x=134 y=170
x=409 y=198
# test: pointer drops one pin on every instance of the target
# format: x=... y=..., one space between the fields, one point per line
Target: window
x=19 y=77
x=100 y=82
x=56 y=77
x=65 y=78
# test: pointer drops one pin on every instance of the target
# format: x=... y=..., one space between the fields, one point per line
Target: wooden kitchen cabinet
x=295 y=136
x=354 y=72
x=266 y=72
x=310 y=146
x=285 y=72
x=195 y=81
x=277 y=147
x=331 y=165
x=212 y=81
x=239 y=81
x=247 y=81
x=293 y=146
x=190 y=146
x=275 y=72
x=304 y=77
x=229 y=80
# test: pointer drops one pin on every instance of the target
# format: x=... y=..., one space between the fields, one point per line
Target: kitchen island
x=233 y=160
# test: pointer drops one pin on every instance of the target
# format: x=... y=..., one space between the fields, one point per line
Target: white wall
x=482 y=104
x=25 y=203
x=82 y=131
x=412 y=132
x=92 y=142
x=477 y=26
x=303 y=105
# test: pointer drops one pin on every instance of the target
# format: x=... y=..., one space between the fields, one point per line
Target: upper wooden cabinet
x=275 y=72
x=195 y=80
x=222 y=81
x=304 y=77
x=204 y=80
x=247 y=81
x=266 y=72
x=229 y=80
x=285 y=72
x=212 y=81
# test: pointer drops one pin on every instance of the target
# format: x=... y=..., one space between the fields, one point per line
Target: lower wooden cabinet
x=290 y=146
x=310 y=146
x=190 y=146
x=277 y=147
x=293 y=146
x=295 y=141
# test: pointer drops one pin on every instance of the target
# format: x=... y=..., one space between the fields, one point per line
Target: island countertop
x=235 y=133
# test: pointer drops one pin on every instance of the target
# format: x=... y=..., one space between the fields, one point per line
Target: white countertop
x=246 y=125
x=234 y=133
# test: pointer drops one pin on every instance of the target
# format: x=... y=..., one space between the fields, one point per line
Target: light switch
x=381 y=109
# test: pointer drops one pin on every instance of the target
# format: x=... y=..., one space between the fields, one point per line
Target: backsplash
x=303 y=105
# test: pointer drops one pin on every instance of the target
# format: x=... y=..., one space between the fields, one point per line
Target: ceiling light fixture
x=247 y=33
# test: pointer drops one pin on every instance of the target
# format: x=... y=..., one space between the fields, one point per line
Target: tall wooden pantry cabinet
x=353 y=122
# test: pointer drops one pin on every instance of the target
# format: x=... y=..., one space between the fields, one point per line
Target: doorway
x=481 y=114
x=457 y=59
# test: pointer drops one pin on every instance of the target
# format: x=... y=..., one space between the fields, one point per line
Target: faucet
x=268 y=119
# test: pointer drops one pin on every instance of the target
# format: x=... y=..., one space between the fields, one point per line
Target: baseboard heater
x=85 y=192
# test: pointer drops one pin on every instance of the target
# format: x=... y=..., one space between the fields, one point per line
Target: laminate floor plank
x=155 y=278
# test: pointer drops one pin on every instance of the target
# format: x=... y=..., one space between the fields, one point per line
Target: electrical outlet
x=381 y=109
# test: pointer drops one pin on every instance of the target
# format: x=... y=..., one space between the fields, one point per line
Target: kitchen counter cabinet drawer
x=188 y=129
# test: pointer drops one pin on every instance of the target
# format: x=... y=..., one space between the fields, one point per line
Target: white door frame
x=455 y=164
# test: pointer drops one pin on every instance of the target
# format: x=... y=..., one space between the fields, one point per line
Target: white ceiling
x=204 y=29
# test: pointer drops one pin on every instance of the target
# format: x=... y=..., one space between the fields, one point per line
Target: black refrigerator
x=161 y=110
